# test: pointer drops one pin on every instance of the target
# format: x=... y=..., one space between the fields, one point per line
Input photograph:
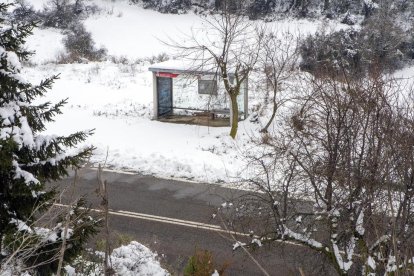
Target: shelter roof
x=183 y=66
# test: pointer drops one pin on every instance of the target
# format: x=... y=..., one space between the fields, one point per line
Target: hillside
x=114 y=96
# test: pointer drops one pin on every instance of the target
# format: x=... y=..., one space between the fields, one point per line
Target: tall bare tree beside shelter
x=229 y=44
x=278 y=63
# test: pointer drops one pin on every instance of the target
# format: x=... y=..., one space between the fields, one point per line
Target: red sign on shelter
x=166 y=75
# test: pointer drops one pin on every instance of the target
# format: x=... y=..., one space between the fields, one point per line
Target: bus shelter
x=184 y=94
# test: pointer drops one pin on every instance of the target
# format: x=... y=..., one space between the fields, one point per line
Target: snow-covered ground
x=116 y=99
x=118 y=106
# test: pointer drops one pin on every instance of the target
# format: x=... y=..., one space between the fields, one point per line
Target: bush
x=408 y=47
x=380 y=44
x=260 y=8
x=116 y=240
x=64 y=13
x=24 y=12
x=299 y=8
x=80 y=45
x=324 y=53
x=202 y=264
x=158 y=58
x=60 y=13
x=169 y=6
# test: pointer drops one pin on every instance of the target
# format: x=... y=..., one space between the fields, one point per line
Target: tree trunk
x=234 y=120
x=275 y=106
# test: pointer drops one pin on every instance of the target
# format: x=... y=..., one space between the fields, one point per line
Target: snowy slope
x=133 y=32
x=128 y=30
x=116 y=99
x=47 y=44
x=118 y=106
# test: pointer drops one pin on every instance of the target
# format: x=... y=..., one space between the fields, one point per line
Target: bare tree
x=338 y=176
x=66 y=227
x=231 y=48
x=279 y=62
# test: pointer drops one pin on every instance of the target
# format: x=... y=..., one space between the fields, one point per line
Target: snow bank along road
x=174 y=218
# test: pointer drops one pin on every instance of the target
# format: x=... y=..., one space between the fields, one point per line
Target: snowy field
x=116 y=99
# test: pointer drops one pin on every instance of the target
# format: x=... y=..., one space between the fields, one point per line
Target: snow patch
x=359 y=224
x=238 y=244
x=136 y=259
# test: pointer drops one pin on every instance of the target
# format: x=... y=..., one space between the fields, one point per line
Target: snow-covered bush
x=260 y=8
x=270 y=9
x=127 y=260
x=323 y=53
x=369 y=7
x=80 y=45
x=63 y=13
x=379 y=44
x=167 y=6
x=136 y=259
x=158 y=58
x=24 y=12
x=382 y=42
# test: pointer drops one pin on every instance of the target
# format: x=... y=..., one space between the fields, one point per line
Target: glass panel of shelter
x=165 y=96
x=197 y=93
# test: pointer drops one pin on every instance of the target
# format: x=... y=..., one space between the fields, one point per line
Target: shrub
x=158 y=58
x=323 y=53
x=80 y=45
x=64 y=13
x=408 y=47
x=24 y=12
x=60 y=13
x=380 y=44
x=169 y=6
x=202 y=264
x=299 y=8
x=116 y=240
x=260 y=8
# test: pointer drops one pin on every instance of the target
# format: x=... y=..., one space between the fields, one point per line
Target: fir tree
x=28 y=158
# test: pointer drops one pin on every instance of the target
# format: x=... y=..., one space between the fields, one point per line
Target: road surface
x=174 y=218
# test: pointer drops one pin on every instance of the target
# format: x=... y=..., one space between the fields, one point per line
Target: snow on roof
x=183 y=66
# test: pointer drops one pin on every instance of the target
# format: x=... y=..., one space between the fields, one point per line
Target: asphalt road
x=174 y=218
